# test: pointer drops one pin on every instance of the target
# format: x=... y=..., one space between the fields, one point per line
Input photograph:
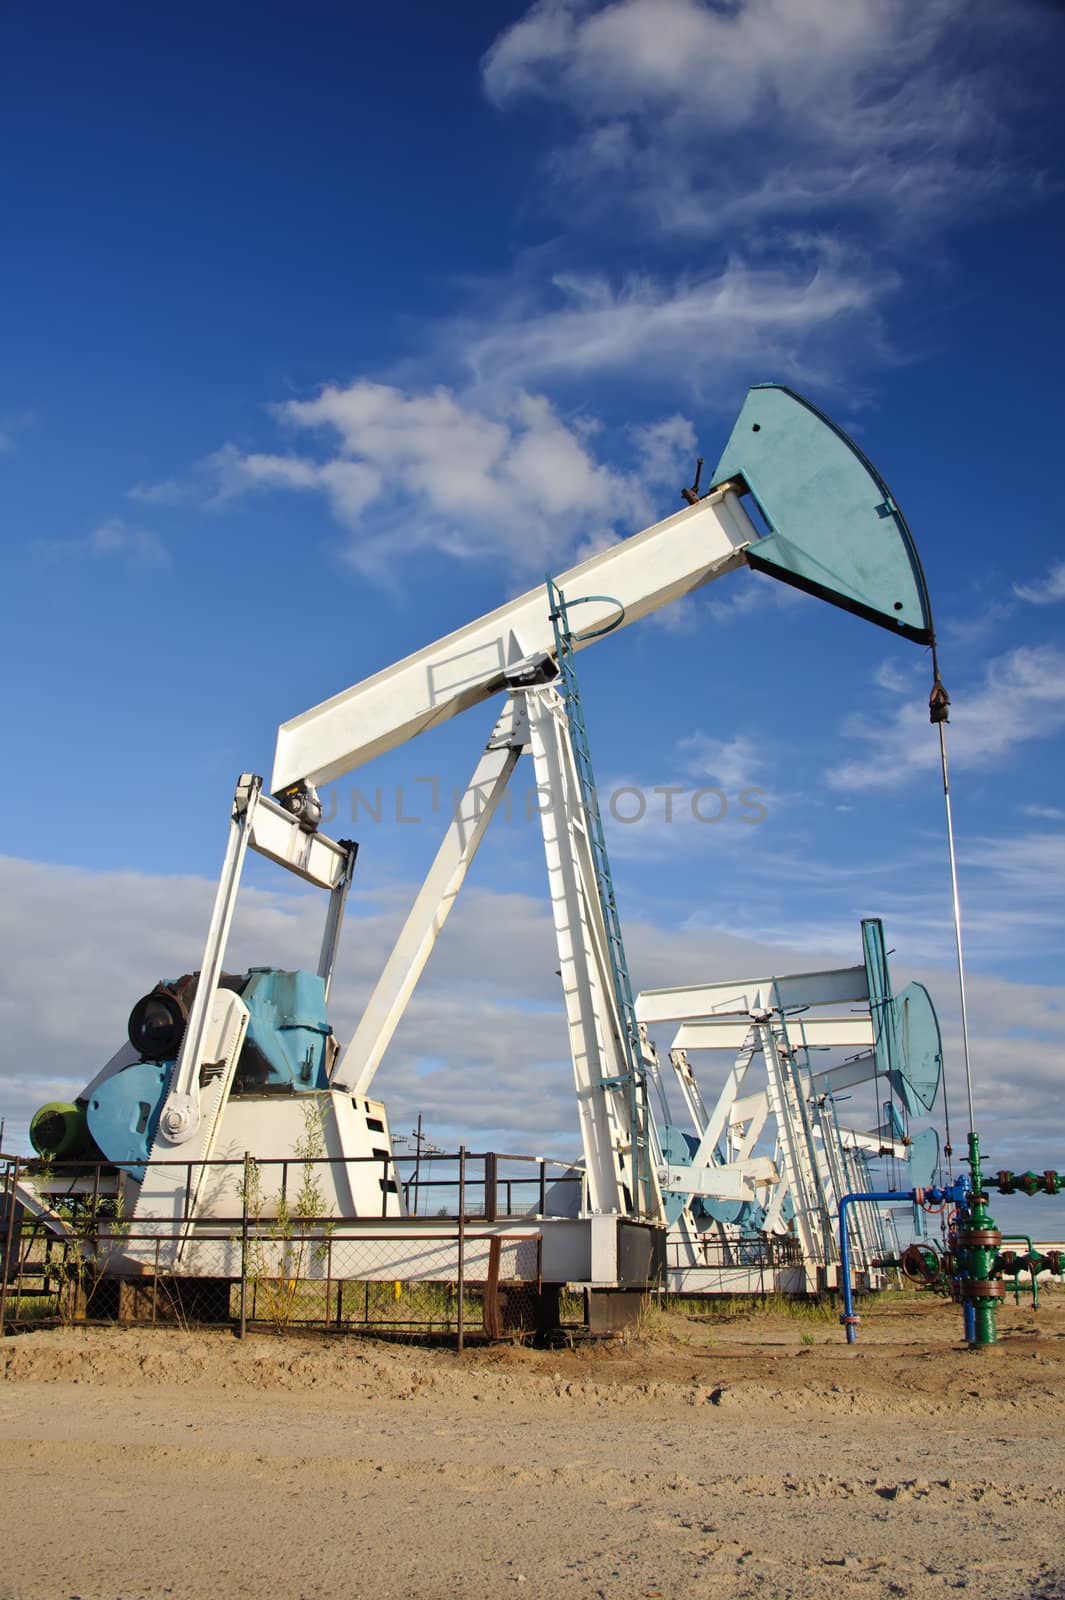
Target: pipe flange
x=982 y=1289
x=979 y=1239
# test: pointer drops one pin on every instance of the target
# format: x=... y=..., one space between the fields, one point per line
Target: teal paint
x=835 y=529
x=920 y=1048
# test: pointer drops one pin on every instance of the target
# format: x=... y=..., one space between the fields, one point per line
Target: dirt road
x=725 y=1460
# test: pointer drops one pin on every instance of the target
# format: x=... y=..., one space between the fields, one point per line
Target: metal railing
x=439 y=1259
x=747 y=1250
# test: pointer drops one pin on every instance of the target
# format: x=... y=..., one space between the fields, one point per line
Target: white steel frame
x=774 y=1021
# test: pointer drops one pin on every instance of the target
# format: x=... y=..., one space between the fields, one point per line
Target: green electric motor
x=59 y=1131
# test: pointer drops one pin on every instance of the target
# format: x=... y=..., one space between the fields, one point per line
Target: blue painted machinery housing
x=285 y=1051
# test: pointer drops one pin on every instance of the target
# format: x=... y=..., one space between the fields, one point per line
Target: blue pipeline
x=955 y=1194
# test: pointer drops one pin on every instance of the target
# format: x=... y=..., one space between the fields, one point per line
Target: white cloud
x=1028 y=867
x=349 y=486
x=1046 y=590
x=1017 y=1033
x=83 y=946
x=890 y=676
x=746 y=594
x=167 y=492
x=671 y=54
x=711 y=117
x=749 y=593
x=711 y=803
x=665 y=449
x=1022 y=698
x=111 y=540
x=406 y=470
x=710 y=326
x=732 y=764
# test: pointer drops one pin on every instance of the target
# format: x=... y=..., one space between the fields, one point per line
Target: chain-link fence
x=455 y=1254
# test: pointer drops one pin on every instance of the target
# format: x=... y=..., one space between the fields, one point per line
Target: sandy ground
x=729 y=1460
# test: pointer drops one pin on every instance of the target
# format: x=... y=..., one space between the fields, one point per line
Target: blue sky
x=323 y=334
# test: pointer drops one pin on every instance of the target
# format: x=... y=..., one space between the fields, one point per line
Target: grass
x=662 y=1317
x=724 y=1307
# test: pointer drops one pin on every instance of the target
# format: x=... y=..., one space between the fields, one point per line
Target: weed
x=69 y=1269
x=296 y=1239
x=652 y=1321
x=726 y=1307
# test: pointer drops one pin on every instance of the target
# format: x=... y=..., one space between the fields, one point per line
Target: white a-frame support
x=592 y=1013
x=360 y=1061
x=533 y=717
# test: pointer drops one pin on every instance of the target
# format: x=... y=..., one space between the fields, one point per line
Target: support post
x=244 y=1246
x=491 y=1186
x=417 y=1164
x=461 y=1324
x=11 y=1188
x=181 y=1111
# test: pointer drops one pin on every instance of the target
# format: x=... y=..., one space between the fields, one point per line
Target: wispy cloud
x=1046 y=590
x=111 y=540
x=664 y=449
x=1030 y=865
x=167 y=492
x=748 y=595
x=349 y=486
x=1022 y=698
x=898 y=110
x=895 y=678
x=714 y=801
x=708 y=326
x=732 y=764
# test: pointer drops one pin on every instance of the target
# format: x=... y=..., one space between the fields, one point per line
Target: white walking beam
x=833 y=530
x=728 y=1033
x=742 y=996
x=641 y=574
